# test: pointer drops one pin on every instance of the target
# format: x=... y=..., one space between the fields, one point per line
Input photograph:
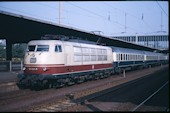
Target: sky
x=108 y=18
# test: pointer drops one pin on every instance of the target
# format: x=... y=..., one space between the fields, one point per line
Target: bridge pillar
x=9 y=54
x=8 y=50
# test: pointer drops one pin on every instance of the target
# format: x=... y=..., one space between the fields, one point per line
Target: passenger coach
x=127 y=59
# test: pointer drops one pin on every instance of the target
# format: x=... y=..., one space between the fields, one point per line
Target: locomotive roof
x=44 y=41
x=73 y=42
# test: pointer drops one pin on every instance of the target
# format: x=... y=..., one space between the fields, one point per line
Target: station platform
x=6 y=77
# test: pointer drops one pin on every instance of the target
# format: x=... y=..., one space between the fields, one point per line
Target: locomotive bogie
x=55 y=81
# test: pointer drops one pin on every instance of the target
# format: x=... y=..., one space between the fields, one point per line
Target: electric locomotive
x=55 y=63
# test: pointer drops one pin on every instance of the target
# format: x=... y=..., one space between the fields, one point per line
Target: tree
x=18 y=50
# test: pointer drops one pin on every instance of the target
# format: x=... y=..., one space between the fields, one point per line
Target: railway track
x=127 y=105
x=64 y=99
x=141 y=106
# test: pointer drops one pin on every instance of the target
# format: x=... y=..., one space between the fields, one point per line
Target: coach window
x=58 y=48
x=121 y=57
x=125 y=57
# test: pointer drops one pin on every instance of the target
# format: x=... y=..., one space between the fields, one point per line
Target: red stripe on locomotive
x=38 y=69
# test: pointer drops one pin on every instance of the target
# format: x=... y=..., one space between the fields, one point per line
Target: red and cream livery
x=58 y=57
x=54 y=61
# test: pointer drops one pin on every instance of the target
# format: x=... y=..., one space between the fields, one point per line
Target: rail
x=134 y=109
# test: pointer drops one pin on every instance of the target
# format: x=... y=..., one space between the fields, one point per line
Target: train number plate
x=32 y=60
x=33 y=69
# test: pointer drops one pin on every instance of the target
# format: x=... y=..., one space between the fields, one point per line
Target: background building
x=154 y=41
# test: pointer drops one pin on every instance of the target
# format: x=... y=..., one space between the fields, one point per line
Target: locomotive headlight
x=44 y=69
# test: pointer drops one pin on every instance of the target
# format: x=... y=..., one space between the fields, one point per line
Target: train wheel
x=80 y=80
x=59 y=83
x=102 y=76
x=97 y=76
x=48 y=85
x=88 y=78
x=70 y=81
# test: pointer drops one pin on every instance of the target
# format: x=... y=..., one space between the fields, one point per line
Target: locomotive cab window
x=58 y=48
x=42 y=47
x=31 y=48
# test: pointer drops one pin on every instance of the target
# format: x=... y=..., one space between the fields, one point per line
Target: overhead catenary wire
x=106 y=19
x=161 y=8
x=127 y=13
x=64 y=10
x=90 y=13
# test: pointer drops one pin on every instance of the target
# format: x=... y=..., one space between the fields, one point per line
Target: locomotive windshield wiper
x=41 y=52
